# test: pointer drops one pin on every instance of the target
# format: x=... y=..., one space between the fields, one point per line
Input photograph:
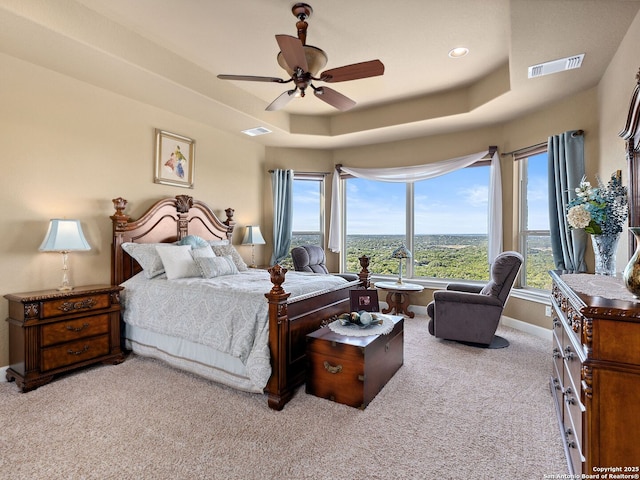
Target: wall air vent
x=254 y=132
x=555 y=66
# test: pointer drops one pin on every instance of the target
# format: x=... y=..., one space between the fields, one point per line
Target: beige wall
x=69 y=148
x=614 y=94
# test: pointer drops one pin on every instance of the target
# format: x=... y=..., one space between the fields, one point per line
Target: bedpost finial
x=229 y=222
x=277 y=278
x=119 y=204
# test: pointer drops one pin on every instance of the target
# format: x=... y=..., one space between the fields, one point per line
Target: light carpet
x=450 y=412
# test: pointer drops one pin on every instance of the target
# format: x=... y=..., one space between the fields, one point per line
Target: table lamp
x=252 y=236
x=400 y=253
x=64 y=236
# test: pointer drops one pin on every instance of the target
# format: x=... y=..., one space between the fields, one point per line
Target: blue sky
x=455 y=203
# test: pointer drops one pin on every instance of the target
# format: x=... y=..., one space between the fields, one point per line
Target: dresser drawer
x=74 y=352
x=68 y=330
x=66 y=306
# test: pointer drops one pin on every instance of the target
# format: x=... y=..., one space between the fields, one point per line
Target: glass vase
x=604 y=249
x=631 y=275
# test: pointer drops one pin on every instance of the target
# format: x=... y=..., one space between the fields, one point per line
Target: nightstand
x=52 y=332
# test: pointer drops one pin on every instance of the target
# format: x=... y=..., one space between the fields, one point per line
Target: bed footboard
x=289 y=324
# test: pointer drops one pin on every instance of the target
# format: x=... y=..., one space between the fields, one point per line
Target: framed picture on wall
x=366 y=300
x=175 y=156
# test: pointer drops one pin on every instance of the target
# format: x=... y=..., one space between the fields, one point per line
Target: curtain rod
x=577 y=133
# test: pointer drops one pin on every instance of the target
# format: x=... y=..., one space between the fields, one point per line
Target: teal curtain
x=282 y=186
x=566 y=169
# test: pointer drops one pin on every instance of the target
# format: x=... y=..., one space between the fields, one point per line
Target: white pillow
x=211 y=267
x=202 y=252
x=178 y=262
x=147 y=256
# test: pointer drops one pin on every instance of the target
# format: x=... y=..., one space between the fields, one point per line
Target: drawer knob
x=569 y=354
x=77 y=329
x=567 y=398
x=331 y=369
x=78 y=352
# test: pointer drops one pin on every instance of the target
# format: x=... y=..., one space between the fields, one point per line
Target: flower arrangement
x=601 y=210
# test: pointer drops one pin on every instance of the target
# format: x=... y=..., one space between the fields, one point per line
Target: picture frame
x=175 y=158
x=366 y=300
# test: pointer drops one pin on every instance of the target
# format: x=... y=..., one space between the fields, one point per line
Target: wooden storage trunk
x=352 y=370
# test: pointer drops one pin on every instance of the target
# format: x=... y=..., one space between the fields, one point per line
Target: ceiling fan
x=302 y=62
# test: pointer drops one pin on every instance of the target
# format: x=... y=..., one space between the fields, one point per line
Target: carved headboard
x=631 y=134
x=166 y=221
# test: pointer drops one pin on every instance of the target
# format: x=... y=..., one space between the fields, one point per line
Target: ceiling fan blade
x=252 y=78
x=333 y=98
x=292 y=51
x=372 y=68
x=281 y=101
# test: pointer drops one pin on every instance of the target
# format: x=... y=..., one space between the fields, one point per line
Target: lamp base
x=64 y=288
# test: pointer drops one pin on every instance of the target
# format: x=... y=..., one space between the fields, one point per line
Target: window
x=308 y=212
x=375 y=223
x=442 y=221
x=535 y=238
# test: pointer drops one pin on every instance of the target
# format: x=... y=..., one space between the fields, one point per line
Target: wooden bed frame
x=171 y=219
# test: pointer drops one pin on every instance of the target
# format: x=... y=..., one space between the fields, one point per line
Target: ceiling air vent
x=555 y=66
x=254 y=132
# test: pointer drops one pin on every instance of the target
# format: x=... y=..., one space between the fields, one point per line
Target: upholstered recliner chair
x=470 y=313
x=311 y=258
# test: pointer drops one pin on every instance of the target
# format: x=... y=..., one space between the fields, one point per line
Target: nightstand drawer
x=74 y=352
x=55 y=308
x=67 y=330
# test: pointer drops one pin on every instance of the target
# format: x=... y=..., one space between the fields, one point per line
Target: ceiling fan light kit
x=302 y=63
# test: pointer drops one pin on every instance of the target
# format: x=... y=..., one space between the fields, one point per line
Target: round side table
x=398 y=296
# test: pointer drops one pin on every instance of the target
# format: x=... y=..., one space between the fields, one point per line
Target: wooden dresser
x=596 y=373
x=51 y=332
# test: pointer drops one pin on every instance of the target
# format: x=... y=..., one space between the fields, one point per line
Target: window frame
x=321 y=178
x=521 y=158
x=409 y=270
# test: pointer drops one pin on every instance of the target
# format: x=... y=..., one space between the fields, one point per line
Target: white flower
x=584 y=190
x=578 y=216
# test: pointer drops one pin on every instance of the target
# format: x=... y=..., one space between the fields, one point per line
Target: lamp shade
x=253 y=236
x=64 y=236
x=401 y=252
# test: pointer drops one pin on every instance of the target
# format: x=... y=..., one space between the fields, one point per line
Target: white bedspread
x=228 y=313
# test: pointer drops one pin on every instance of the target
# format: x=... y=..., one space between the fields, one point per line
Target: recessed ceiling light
x=458 y=52
x=254 y=132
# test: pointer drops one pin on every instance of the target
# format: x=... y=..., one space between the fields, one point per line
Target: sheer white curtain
x=424 y=172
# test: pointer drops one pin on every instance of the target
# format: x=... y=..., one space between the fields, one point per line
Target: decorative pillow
x=219 y=242
x=195 y=241
x=216 y=266
x=178 y=262
x=147 y=256
x=202 y=252
x=222 y=250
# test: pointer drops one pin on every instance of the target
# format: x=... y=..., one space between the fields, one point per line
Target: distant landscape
x=461 y=257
